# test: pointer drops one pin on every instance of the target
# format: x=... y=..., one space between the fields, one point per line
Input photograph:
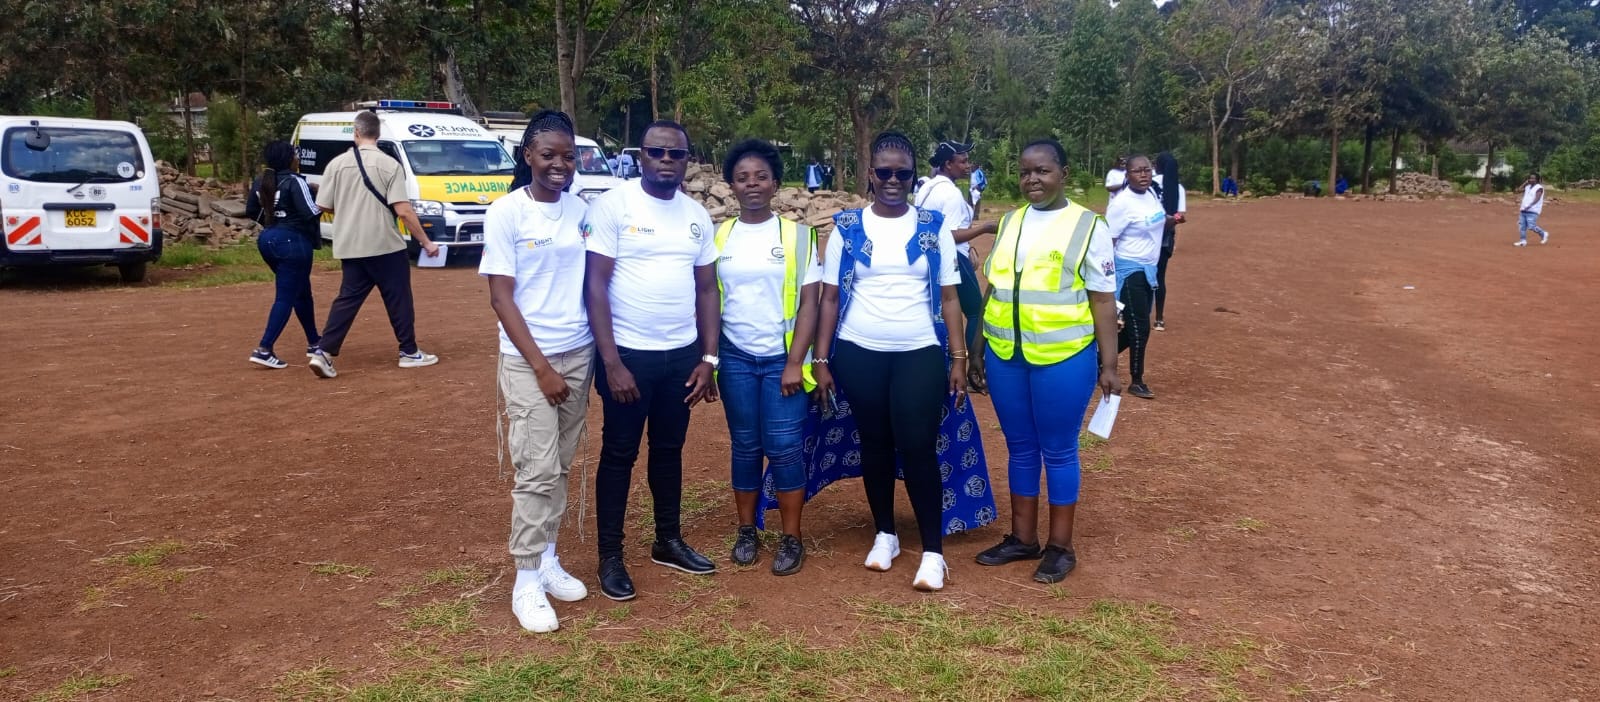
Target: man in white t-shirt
x=1117 y=177
x=1532 y=207
x=653 y=307
x=951 y=163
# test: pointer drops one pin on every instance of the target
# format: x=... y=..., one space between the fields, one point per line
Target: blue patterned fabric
x=832 y=442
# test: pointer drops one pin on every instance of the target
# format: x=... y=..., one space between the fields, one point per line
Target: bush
x=1261 y=186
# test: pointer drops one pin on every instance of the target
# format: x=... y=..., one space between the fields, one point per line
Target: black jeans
x=1168 y=242
x=391 y=274
x=660 y=376
x=1135 y=334
x=897 y=399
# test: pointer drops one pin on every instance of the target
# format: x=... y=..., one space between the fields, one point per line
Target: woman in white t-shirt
x=533 y=256
x=768 y=271
x=888 y=356
x=1139 y=224
x=1050 y=328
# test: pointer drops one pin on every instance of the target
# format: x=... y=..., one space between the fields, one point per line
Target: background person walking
x=1138 y=223
x=282 y=203
x=365 y=189
x=1532 y=207
x=1176 y=202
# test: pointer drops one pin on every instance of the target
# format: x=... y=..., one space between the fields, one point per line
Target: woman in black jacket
x=289 y=220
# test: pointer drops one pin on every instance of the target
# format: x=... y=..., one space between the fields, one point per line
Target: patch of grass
x=191 y=255
x=198 y=616
x=700 y=499
x=152 y=555
x=331 y=569
x=78 y=684
x=1182 y=533
x=318 y=681
x=1087 y=441
x=224 y=276
x=1099 y=464
x=1251 y=524
x=452 y=616
x=619 y=612
x=690 y=588
x=1113 y=651
x=1059 y=592
x=8 y=672
x=94 y=597
x=455 y=576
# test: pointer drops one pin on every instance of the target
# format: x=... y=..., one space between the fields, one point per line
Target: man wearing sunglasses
x=951 y=163
x=651 y=291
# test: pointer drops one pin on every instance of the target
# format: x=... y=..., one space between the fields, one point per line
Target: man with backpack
x=366 y=188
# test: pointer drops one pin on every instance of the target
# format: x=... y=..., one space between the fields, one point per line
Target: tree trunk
x=1333 y=161
x=454 y=89
x=1488 y=172
x=564 y=60
x=358 y=43
x=102 y=102
x=1216 y=158
x=1366 y=160
x=655 y=88
x=1235 y=147
x=244 y=139
x=1394 y=160
x=627 y=123
x=188 y=136
x=862 y=125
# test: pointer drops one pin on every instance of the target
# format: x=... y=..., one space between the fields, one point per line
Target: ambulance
x=78 y=192
x=594 y=175
x=454 y=167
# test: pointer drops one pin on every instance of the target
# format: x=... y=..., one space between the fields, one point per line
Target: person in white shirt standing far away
x=941 y=194
x=533 y=256
x=1117 y=177
x=1532 y=206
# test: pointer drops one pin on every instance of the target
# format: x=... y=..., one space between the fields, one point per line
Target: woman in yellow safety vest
x=1050 y=324
x=769 y=275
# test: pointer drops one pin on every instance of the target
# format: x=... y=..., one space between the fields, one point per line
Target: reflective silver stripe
x=999 y=333
x=1058 y=336
x=1078 y=247
x=1039 y=297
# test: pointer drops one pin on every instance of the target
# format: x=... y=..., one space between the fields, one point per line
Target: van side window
x=315 y=154
x=388 y=147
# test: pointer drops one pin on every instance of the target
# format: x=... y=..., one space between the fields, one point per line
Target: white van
x=594 y=175
x=78 y=192
x=454 y=167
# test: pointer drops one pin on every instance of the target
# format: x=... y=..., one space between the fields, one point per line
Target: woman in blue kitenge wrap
x=891 y=370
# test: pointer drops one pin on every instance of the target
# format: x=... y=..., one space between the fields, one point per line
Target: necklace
x=542 y=207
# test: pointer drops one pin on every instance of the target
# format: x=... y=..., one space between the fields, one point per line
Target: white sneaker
x=930 y=575
x=559 y=583
x=884 y=550
x=534 y=611
x=1544 y=238
x=1523 y=242
x=418 y=359
x=321 y=365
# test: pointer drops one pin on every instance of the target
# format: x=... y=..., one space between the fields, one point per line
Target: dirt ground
x=1373 y=454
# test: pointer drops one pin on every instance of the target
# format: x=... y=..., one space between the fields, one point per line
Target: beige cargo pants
x=542 y=441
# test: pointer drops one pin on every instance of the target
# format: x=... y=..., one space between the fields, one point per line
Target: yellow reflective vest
x=1037 y=298
x=796 y=259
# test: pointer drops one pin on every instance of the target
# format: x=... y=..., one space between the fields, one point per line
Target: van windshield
x=74 y=155
x=592 y=161
x=444 y=157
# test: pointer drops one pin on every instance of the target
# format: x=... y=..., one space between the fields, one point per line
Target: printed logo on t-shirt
x=640 y=231
x=1156 y=216
x=536 y=243
x=777 y=255
x=694 y=231
x=586 y=230
x=1108 y=268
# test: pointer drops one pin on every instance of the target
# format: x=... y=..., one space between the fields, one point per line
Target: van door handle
x=100 y=206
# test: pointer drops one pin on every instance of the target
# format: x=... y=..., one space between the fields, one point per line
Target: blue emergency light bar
x=414 y=105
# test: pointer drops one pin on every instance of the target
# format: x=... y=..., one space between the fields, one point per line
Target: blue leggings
x=1041 y=411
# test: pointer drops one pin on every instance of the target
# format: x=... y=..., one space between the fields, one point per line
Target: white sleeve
x=601 y=226
x=1117 y=218
x=1116 y=178
x=948 y=274
x=1183 y=198
x=1099 y=270
x=708 y=239
x=813 y=273
x=830 y=260
x=500 y=239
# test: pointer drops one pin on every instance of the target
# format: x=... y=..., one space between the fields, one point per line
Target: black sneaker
x=1009 y=550
x=674 y=553
x=267 y=358
x=1141 y=390
x=614 y=580
x=744 y=547
x=790 y=556
x=1055 y=564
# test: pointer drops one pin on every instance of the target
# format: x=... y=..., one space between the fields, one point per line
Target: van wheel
x=132 y=272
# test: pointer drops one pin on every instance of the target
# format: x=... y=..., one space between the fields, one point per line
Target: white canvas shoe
x=1523 y=242
x=884 y=550
x=533 y=610
x=930 y=575
x=1544 y=238
x=559 y=583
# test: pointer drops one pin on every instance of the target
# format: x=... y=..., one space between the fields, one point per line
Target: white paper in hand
x=426 y=261
x=1105 y=415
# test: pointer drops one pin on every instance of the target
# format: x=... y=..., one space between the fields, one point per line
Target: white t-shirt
x=943 y=196
x=1528 y=204
x=1098 y=269
x=889 y=310
x=1116 y=178
x=1138 y=223
x=751 y=269
x=1183 y=194
x=540 y=245
x=656 y=244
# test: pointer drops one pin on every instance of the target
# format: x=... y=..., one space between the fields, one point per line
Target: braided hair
x=543 y=121
x=896 y=141
x=279 y=157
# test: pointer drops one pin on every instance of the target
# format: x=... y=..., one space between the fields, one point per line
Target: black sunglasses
x=660 y=152
x=904 y=175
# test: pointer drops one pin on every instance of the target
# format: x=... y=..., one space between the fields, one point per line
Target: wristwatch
x=713 y=360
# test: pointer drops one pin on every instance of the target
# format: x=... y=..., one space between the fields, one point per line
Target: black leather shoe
x=790 y=556
x=1055 y=564
x=744 y=547
x=1141 y=390
x=1009 y=550
x=614 y=580
x=674 y=553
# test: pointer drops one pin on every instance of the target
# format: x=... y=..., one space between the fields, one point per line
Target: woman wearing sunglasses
x=1050 y=327
x=890 y=329
x=768 y=274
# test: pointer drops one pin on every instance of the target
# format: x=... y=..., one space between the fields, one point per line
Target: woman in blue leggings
x=282 y=203
x=1050 y=325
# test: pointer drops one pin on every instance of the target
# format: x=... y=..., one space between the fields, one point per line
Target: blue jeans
x=1526 y=221
x=1041 y=411
x=762 y=423
x=288 y=254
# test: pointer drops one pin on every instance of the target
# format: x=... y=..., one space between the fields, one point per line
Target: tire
x=132 y=272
